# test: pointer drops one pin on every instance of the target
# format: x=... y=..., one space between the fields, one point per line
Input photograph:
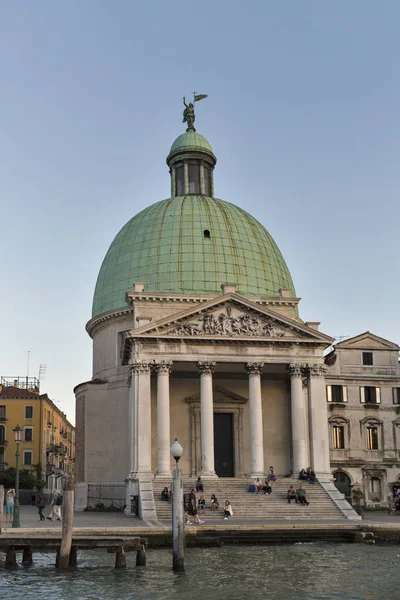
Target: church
x=197 y=336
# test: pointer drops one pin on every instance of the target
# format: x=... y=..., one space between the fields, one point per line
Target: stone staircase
x=247 y=505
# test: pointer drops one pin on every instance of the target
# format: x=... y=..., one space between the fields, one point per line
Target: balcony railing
x=3 y=419
x=3 y=443
x=3 y=466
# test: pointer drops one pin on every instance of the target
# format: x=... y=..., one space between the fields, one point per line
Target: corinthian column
x=163 y=370
x=207 y=419
x=141 y=417
x=318 y=415
x=299 y=424
x=256 y=419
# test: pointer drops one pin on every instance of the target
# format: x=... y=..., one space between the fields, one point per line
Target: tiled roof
x=12 y=392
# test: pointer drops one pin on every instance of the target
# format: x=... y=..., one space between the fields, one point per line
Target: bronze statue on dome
x=188 y=115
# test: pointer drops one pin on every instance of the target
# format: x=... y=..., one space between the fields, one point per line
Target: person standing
x=55 y=507
x=41 y=504
x=193 y=509
x=10 y=501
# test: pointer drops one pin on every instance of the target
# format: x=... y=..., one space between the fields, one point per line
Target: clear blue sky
x=303 y=115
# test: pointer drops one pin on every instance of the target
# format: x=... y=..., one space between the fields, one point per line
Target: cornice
x=97 y=322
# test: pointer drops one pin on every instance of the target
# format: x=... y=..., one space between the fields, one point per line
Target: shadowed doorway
x=223 y=445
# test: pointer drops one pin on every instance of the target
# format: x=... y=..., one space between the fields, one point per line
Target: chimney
x=138 y=287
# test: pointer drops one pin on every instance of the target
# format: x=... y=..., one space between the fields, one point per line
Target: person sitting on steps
x=228 y=512
x=258 y=485
x=271 y=475
x=303 y=475
x=202 y=503
x=310 y=475
x=214 y=503
x=267 y=489
x=291 y=495
x=165 y=495
x=301 y=495
x=199 y=485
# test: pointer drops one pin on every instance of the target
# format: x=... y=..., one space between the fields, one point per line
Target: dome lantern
x=191 y=160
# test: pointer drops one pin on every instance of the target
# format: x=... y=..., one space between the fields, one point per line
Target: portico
x=276 y=399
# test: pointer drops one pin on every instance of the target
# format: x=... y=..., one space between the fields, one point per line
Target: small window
x=207 y=181
x=338 y=437
x=396 y=395
x=367 y=358
x=180 y=180
x=207 y=234
x=27 y=457
x=336 y=393
x=2 y=412
x=372 y=438
x=370 y=395
x=28 y=412
x=2 y=435
x=28 y=434
x=194 y=178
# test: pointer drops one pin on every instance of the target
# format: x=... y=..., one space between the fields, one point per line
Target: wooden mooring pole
x=67 y=523
x=1 y=505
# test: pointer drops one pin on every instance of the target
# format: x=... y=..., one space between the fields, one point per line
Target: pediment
x=220 y=396
x=367 y=341
x=230 y=317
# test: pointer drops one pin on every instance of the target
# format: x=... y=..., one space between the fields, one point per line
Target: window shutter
x=329 y=393
x=362 y=394
x=345 y=393
x=378 y=395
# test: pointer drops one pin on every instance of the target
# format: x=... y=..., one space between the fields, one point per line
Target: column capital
x=295 y=371
x=162 y=367
x=316 y=370
x=140 y=366
x=206 y=368
x=254 y=368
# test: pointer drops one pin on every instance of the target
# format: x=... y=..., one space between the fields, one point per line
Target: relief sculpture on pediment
x=226 y=324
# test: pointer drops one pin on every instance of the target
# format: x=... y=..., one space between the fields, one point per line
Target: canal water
x=299 y=572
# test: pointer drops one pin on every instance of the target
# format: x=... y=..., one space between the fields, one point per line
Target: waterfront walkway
x=29 y=519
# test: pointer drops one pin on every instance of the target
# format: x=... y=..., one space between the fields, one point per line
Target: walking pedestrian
x=41 y=504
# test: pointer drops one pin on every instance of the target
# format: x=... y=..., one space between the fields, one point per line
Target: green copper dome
x=191 y=244
x=191 y=141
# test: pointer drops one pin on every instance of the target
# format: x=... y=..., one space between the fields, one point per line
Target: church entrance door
x=223 y=445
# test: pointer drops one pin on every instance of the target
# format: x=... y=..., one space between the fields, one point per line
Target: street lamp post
x=177 y=512
x=18 y=438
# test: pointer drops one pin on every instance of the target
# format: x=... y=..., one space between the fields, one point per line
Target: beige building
x=197 y=336
x=363 y=395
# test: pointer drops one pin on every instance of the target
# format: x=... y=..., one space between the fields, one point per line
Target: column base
x=208 y=475
x=165 y=475
x=255 y=475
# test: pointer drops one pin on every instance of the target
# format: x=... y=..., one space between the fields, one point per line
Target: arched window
x=339 y=433
x=372 y=433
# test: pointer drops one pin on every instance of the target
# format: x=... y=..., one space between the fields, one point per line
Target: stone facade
x=363 y=379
